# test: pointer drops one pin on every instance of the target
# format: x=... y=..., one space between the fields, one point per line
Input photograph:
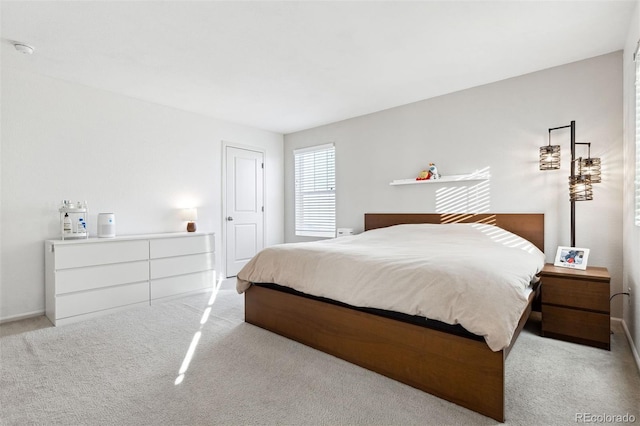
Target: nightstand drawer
x=576 y=325
x=576 y=293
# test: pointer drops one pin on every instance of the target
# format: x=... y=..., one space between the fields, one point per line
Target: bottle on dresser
x=82 y=226
x=66 y=224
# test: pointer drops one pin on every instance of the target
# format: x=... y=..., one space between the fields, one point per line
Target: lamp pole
x=573 y=173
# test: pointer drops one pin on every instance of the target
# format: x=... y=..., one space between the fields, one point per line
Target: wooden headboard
x=527 y=225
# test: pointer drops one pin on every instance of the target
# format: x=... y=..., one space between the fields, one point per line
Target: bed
x=450 y=363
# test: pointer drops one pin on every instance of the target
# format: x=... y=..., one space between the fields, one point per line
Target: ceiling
x=292 y=65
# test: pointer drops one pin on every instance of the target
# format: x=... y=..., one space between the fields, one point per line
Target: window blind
x=315 y=191
x=636 y=58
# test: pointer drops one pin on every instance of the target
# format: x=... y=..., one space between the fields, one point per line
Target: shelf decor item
x=423 y=175
x=433 y=171
x=572 y=257
x=584 y=172
x=430 y=173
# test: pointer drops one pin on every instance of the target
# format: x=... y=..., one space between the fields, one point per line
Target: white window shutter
x=315 y=191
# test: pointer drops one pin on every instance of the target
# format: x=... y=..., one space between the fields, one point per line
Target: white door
x=244 y=207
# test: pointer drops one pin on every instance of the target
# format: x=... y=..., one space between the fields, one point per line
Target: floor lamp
x=584 y=172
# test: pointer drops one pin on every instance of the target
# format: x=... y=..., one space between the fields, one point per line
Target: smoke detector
x=23 y=48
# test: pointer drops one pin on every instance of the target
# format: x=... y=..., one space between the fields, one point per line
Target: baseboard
x=21 y=316
x=634 y=351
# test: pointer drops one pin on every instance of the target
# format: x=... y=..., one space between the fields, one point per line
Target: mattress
x=474 y=275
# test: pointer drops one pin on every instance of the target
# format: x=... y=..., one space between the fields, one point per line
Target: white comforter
x=469 y=274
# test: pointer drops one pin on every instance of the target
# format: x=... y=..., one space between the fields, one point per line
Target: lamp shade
x=190 y=214
x=591 y=167
x=580 y=188
x=550 y=157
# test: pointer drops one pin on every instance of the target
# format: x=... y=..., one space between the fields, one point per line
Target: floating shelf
x=443 y=179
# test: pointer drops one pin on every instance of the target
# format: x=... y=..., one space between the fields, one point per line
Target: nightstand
x=575 y=305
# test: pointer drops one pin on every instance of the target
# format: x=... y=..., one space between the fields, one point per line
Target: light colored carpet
x=122 y=369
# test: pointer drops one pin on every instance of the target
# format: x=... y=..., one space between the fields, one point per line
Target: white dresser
x=90 y=277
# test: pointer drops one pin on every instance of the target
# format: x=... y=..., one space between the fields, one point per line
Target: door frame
x=223 y=217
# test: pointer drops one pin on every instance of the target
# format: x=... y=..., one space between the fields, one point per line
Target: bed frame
x=459 y=369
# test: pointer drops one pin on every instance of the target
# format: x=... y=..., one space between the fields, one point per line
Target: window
x=636 y=57
x=315 y=191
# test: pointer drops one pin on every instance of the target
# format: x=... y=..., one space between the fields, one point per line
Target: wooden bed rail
x=461 y=370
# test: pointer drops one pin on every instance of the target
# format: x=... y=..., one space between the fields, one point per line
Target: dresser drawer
x=576 y=293
x=92 y=277
x=90 y=254
x=180 y=246
x=164 y=287
x=576 y=324
x=68 y=305
x=181 y=265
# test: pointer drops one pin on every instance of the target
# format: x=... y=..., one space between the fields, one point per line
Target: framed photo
x=572 y=257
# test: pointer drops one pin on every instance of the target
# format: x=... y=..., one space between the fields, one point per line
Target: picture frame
x=572 y=257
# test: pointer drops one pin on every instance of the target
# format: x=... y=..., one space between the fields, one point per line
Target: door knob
x=229 y=218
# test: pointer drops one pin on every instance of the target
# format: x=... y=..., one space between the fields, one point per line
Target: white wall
x=139 y=160
x=630 y=231
x=500 y=126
